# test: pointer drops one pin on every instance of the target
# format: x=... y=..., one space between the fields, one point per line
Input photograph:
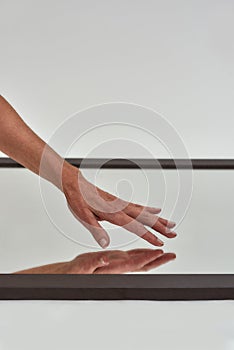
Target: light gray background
x=121 y=324
x=176 y=57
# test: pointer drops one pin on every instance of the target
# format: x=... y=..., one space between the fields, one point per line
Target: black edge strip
x=117 y=287
x=119 y=163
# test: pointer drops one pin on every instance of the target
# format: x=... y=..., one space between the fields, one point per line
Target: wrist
x=69 y=177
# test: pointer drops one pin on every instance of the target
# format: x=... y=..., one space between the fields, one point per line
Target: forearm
x=20 y=143
x=56 y=268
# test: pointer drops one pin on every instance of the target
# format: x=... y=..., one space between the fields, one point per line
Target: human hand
x=107 y=262
x=117 y=261
x=89 y=204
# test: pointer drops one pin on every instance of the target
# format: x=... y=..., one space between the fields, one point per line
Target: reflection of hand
x=89 y=204
x=117 y=261
x=108 y=262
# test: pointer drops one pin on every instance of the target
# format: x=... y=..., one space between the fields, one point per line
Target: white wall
x=117 y=324
x=58 y=57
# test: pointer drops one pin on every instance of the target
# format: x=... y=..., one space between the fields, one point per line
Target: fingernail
x=160 y=251
x=160 y=242
x=174 y=233
x=103 y=242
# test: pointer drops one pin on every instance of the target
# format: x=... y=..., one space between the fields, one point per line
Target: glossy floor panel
x=205 y=235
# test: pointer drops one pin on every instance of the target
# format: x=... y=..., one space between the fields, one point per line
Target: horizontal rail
x=117 y=287
x=134 y=163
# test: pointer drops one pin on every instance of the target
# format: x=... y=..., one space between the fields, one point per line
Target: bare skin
x=108 y=262
x=88 y=203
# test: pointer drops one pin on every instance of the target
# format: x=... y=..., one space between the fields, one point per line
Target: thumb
x=91 y=223
x=100 y=260
x=98 y=232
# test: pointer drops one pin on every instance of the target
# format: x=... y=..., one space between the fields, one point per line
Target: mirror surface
x=204 y=243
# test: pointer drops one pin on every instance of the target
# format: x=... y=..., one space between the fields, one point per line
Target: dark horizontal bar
x=117 y=287
x=119 y=163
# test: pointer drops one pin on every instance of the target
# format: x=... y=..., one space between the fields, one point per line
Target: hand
x=89 y=204
x=108 y=262
x=117 y=261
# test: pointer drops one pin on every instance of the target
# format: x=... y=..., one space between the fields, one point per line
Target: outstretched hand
x=89 y=204
x=107 y=262
x=117 y=261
